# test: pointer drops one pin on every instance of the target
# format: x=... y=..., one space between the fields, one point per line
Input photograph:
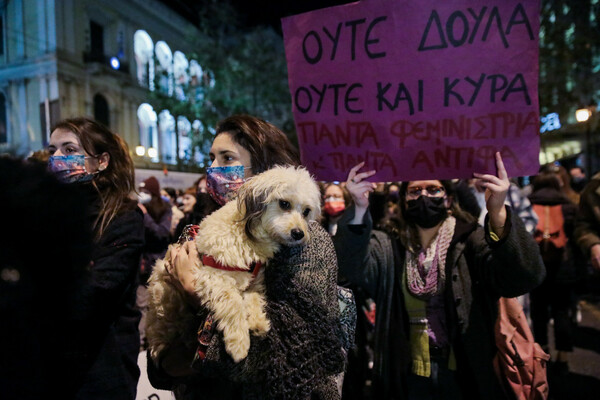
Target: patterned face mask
x=70 y=169
x=223 y=183
x=334 y=206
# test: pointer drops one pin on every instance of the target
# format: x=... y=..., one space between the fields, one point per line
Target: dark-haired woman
x=301 y=355
x=105 y=340
x=435 y=279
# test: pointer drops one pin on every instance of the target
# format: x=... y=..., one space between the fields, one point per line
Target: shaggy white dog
x=272 y=209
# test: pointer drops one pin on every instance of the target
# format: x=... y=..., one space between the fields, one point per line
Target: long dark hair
x=406 y=231
x=157 y=207
x=268 y=145
x=116 y=182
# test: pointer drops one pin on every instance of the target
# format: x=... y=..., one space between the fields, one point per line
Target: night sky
x=256 y=12
x=270 y=12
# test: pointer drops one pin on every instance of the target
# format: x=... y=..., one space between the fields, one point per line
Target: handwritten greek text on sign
x=416 y=89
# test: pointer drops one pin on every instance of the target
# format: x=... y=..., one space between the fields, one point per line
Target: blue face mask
x=223 y=183
x=70 y=169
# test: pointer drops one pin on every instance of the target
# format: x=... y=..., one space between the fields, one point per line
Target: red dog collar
x=211 y=262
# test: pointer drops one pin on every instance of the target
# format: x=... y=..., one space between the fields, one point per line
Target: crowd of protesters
x=426 y=262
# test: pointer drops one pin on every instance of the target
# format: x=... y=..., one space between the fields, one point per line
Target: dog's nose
x=297 y=234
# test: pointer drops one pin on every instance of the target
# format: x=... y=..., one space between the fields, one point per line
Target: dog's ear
x=252 y=204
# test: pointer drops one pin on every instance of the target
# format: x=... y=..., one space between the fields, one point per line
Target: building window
x=143 y=47
x=180 y=74
x=147 y=122
x=96 y=41
x=168 y=137
x=3 y=126
x=184 y=138
x=164 y=68
x=101 y=112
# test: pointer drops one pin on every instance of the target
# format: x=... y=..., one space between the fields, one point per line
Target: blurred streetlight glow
x=152 y=153
x=140 y=150
x=115 y=63
x=583 y=114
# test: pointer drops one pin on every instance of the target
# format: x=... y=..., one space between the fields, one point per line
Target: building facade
x=67 y=58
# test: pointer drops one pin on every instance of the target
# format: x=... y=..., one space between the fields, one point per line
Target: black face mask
x=426 y=211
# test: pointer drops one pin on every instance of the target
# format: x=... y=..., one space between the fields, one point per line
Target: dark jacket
x=587 y=230
x=560 y=263
x=45 y=247
x=478 y=272
x=157 y=236
x=105 y=326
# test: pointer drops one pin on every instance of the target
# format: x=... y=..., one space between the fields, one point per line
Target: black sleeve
x=114 y=269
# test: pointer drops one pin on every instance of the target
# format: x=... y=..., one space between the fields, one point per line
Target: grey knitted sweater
x=302 y=353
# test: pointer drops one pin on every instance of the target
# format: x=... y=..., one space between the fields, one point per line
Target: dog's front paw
x=259 y=324
x=257 y=318
x=238 y=345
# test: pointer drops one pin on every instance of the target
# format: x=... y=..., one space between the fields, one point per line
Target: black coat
x=45 y=246
x=106 y=341
x=478 y=272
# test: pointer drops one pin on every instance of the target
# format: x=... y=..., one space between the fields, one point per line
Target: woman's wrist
x=359 y=214
x=497 y=221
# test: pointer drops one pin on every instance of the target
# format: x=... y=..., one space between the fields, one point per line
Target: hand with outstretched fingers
x=359 y=189
x=496 y=189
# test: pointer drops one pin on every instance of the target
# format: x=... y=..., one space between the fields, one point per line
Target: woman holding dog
x=435 y=279
x=104 y=343
x=301 y=354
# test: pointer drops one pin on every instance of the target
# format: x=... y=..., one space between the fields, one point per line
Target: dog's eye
x=306 y=212
x=284 y=205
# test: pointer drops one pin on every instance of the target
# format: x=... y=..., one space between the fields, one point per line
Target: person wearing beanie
x=151 y=185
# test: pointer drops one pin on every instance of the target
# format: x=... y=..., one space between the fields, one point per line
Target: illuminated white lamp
x=115 y=63
x=152 y=152
x=140 y=150
x=583 y=114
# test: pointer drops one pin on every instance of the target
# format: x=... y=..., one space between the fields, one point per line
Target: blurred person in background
x=578 y=179
x=196 y=206
x=587 y=230
x=157 y=232
x=565 y=183
x=189 y=200
x=200 y=184
x=335 y=199
x=157 y=224
x=170 y=196
x=554 y=297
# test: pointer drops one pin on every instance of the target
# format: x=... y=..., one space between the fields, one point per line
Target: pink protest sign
x=416 y=89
